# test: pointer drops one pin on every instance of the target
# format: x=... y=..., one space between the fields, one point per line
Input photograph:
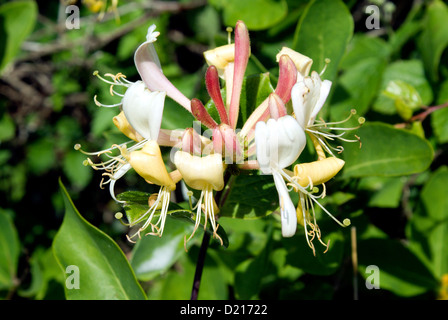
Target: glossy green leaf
x=355 y=90
x=261 y=201
x=104 y=272
x=136 y=206
x=406 y=98
x=301 y=256
x=9 y=251
x=324 y=31
x=436 y=206
x=256 y=88
x=386 y=192
x=249 y=273
x=386 y=151
x=410 y=72
x=406 y=276
x=439 y=118
x=256 y=14
x=434 y=38
x=154 y=255
x=177 y=283
x=17 y=20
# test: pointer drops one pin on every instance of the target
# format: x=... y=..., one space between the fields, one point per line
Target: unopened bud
x=191 y=142
x=302 y=62
x=226 y=142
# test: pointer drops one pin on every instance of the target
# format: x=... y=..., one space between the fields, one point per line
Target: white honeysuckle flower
x=308 y=97
x=279 y=142
x=144 y=109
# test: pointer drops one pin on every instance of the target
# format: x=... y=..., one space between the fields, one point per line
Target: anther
x=118 y=215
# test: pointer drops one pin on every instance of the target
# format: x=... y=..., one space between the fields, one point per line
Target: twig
x=152 y=9
x=354 y=263
x=200 y=266
x=204 y=246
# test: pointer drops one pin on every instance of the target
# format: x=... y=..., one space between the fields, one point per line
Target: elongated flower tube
x=205 y=174
x=148 y=163
x=287 y=79
x=279 y=143
x=148 y=66
x=242 y=53
x=225 y=142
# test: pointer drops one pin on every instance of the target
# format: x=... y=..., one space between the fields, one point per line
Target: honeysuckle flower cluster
x=270 y=141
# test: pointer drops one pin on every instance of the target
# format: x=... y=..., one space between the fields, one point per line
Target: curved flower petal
x=323 y=94
x=279 y=143
x=308 y=97
x=117 y=175
x=287 y=208
x=148 y=66
x=144 y=109
x=200 y=172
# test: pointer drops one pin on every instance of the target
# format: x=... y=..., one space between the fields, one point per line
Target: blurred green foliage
x=393 y=189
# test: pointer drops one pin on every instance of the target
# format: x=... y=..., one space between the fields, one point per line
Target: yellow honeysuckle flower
x=303 y=180
x=205 y=174
x=148 y=163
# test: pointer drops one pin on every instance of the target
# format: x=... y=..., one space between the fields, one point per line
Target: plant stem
x=204 y=246
x=200 y=266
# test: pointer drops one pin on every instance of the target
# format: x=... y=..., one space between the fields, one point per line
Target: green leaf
x=256 y=14
x=363 y=47
x=9 y=251
x=104 y=272
x=324 y=31
x=78 y=174
x=261 y=201
x=301 y=256
x=387 y=192
x=7 y=128
x=410 y=72
x=17 y=20
x=355 y=90
x=386 y=151
x=436 y=204
x=405 y=97
x=406 y=276
x=439 y=118
x=434 y=38
x=249 y=273
x=256 y=88
x=136 y=205
x=154 y=255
